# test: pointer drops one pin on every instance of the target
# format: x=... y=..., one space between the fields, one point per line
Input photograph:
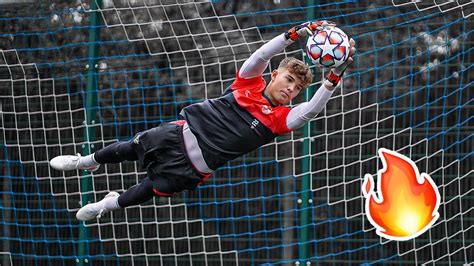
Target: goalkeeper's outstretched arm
x=306 y=111
x=256 y=64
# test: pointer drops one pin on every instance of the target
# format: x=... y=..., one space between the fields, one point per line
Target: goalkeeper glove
x=334 y=77
x=306 y=29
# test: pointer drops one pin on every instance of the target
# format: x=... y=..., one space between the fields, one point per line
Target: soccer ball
x=328 y=47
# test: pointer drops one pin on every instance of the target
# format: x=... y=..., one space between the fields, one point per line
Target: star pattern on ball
x=328 y=48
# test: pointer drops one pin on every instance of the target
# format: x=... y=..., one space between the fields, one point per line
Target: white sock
x=88 y=161
x=111 y=203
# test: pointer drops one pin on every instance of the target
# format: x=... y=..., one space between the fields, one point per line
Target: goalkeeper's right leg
x=73 y=162
x=114 y=153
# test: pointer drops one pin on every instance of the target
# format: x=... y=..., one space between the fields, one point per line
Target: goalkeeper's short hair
x=298 y=68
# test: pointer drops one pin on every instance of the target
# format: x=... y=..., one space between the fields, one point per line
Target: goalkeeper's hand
x=334 y=77
x=306 y=29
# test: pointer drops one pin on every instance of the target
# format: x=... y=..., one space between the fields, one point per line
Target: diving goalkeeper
x=180 y=155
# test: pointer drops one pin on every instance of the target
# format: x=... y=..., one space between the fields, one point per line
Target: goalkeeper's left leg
x=135 y=195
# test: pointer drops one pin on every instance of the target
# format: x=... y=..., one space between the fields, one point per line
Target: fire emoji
x=406 y=203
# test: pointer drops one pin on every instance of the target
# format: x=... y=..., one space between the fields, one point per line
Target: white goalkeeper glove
x=306 y=29
x=334 y=77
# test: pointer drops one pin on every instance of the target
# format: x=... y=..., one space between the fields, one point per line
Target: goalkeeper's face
x=284 y=87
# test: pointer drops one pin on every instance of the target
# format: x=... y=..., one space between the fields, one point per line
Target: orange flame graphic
x=404 y=206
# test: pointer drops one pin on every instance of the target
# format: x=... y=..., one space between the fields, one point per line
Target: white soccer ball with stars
x=328 y=48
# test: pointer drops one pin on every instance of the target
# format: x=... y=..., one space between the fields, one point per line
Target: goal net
x=77 y=76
